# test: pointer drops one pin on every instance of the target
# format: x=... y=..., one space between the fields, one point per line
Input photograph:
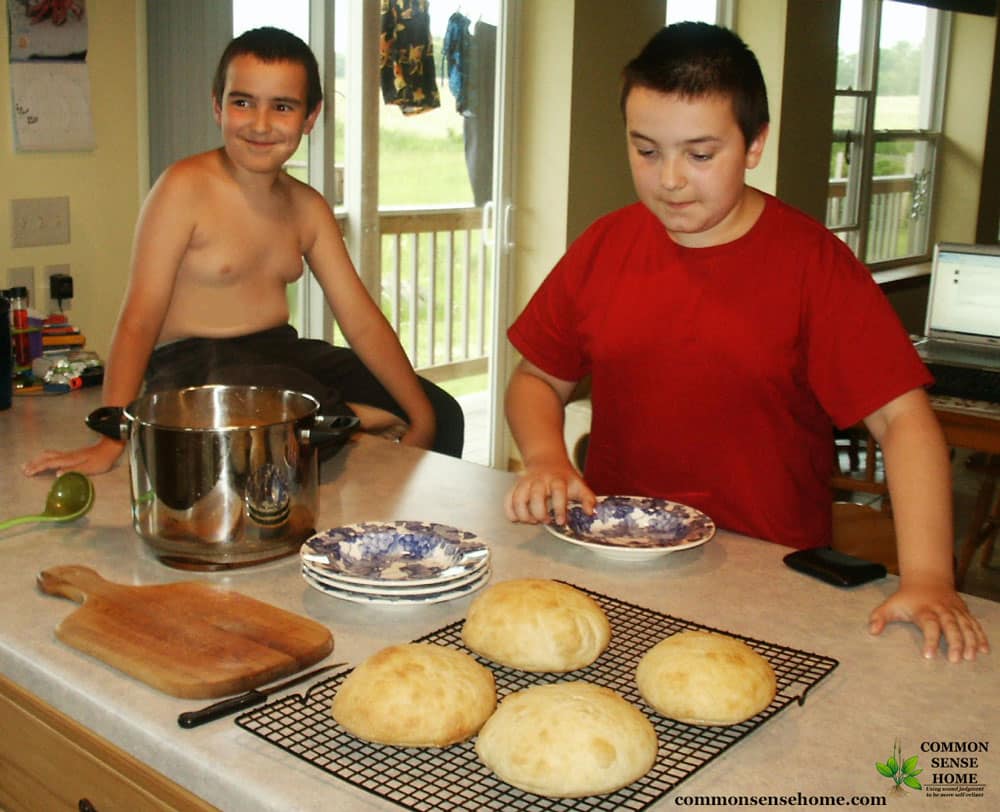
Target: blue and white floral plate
x=635 y=527
x=395 y=553
x=392 y=590
x=449 y=593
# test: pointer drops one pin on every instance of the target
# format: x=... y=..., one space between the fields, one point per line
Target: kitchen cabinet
x=48 y=761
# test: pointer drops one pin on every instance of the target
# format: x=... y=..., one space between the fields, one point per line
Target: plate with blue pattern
x=392 y=590
x=635 y=527
x=447 y=592
x=395 y=553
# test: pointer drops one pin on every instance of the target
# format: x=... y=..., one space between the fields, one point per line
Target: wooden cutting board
x=188 y=639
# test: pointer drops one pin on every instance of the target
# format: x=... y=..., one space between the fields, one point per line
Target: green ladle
x=71 y=496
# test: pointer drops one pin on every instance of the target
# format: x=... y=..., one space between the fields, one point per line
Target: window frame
x=857 y=231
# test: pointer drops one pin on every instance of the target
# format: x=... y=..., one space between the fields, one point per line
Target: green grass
x=423 y=178
x=891 y=113
x=466 y=386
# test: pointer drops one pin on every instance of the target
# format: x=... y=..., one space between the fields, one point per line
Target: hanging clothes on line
x=455 y=58
x=479 y=112
x=407 y=56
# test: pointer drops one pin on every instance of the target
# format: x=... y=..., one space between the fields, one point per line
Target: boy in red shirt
x=725 y=334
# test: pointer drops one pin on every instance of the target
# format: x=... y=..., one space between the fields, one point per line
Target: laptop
x=962 y=328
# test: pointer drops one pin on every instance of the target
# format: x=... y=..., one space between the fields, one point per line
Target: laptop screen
x=964 y=300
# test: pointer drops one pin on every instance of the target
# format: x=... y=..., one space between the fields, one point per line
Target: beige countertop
x=882 y=690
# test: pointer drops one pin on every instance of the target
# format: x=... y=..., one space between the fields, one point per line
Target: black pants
x=278 y=357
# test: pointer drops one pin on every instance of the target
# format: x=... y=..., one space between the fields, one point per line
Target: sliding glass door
x=412 y=152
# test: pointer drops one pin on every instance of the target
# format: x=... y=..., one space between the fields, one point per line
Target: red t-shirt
x=717 y=372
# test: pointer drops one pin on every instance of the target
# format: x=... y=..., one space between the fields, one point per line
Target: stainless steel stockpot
x=223 y=476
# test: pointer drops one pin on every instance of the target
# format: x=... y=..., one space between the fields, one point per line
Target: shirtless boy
x=220 y=237
x=710 y=318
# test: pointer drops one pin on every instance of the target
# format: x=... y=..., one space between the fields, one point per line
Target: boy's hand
x=94 y=459
x=544 y=487
x=935 y=611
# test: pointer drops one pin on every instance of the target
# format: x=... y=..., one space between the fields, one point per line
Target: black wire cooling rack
x=453 y=778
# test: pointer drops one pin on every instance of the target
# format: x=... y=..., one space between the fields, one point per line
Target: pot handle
x=109 y=421
x=326 y=428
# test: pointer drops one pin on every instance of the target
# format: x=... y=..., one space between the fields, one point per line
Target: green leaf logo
x=901 y=773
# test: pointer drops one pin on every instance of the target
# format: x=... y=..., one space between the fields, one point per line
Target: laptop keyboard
x=971 y=383
x=959 y=353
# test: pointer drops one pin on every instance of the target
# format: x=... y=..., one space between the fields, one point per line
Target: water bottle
x=19 y=325
x=6 y=354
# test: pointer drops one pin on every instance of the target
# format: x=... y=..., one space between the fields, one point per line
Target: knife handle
x=217 y=710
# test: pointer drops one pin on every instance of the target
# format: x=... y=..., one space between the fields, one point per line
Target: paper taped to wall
x=51 y=106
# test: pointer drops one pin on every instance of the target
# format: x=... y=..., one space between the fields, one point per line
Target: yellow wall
x=104 y=186
x=604 y=39
x=965 y=112
x=569 y=150
x=541 y=148
x=761 y=24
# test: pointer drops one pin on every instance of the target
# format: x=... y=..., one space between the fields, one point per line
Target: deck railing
x=437 y=287
x=891 y=231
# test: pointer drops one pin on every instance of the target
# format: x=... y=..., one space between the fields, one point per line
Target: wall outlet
x=54 y=305
x=39 y=221
x=22 y=277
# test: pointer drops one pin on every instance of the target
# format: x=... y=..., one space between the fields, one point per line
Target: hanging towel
x=407 y=56
x=455 y=58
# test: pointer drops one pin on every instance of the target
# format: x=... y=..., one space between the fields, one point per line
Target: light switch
x=39 y=221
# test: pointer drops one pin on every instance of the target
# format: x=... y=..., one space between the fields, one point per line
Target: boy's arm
x=534 y=405
x=161 y=238
x=362 y=322
x=918 y=471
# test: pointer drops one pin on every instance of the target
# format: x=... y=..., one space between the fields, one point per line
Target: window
x=704 y=11
x=886 y=127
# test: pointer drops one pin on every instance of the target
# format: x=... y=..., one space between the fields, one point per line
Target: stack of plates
x=396 y=562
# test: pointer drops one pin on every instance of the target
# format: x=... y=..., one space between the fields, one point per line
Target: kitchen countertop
x=882 y=690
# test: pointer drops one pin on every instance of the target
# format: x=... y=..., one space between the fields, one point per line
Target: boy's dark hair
x=271 y=45
x=697 y=59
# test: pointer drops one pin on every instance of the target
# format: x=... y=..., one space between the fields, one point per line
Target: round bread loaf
x=567 y=740
x=536 y=625
x=416 y=695
x=704 y=678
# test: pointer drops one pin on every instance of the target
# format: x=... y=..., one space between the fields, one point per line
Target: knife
x=255 y=696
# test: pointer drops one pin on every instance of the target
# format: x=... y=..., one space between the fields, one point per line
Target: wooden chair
x=862 y=476
x=985 y=522
x=863 y=530
x=576 y=423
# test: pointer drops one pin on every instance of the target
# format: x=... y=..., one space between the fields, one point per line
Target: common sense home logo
x=953 y=768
